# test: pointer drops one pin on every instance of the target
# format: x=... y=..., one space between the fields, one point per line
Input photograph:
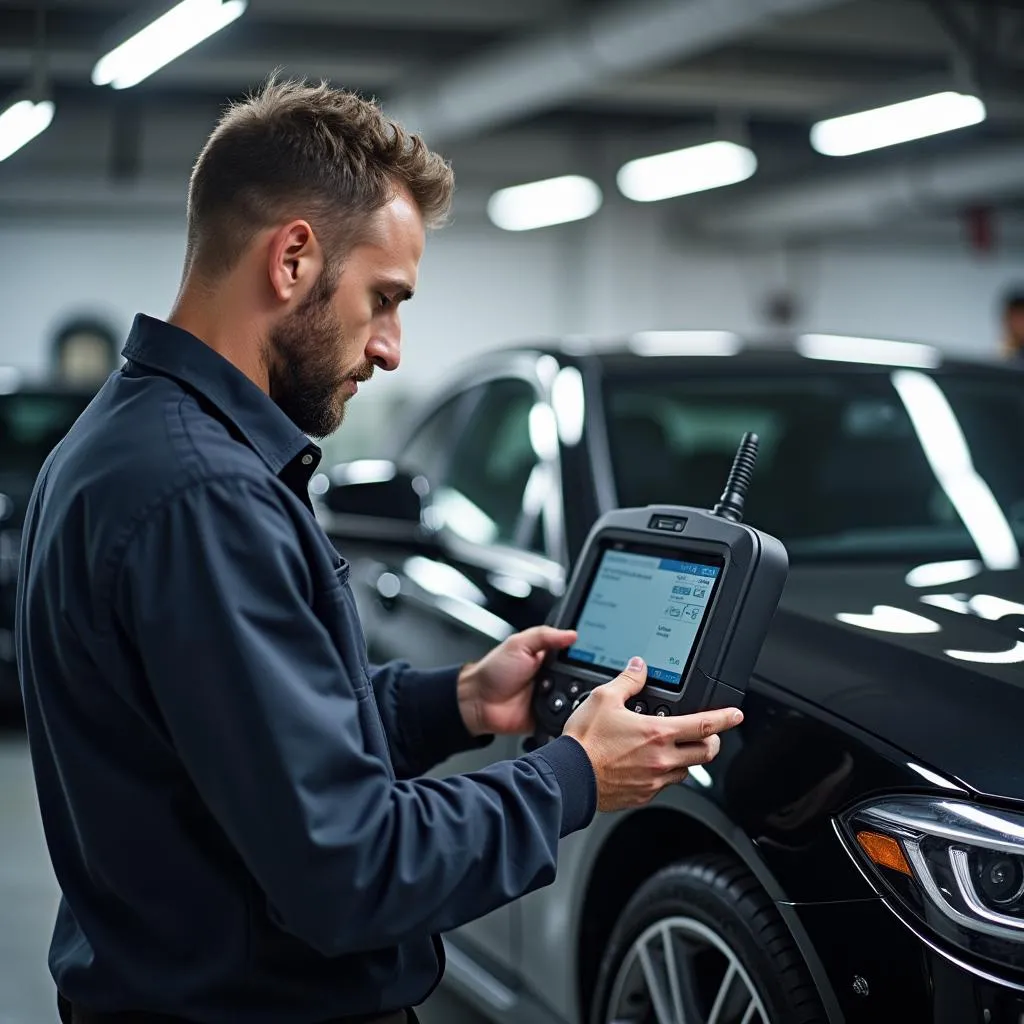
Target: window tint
x=848 y=463
x=430 y=448
x=493 y=490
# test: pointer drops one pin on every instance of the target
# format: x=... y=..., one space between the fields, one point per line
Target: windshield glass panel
x=893 y=465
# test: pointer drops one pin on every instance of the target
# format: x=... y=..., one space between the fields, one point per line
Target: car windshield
x=902 y=464
x=31 y=423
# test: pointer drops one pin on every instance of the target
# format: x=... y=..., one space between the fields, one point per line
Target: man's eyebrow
x=399 y=289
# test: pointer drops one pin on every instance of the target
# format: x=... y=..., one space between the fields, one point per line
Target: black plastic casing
x=746 y=597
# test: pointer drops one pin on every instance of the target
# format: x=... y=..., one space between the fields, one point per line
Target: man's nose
x=385 y=348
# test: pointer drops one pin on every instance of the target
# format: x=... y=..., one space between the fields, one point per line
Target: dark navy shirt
x=227 y=787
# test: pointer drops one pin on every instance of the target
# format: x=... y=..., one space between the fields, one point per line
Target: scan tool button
x=545 y=685
x=575 y=689
x=662 y=711
x=579 y=700
x=557 y=703
x=638 y=706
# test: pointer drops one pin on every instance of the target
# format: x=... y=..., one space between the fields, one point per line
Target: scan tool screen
x=646 y=602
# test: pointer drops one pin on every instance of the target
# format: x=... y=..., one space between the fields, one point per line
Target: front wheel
x=701 y=943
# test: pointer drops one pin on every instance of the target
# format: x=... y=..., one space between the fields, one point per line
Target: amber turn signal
x=884 y=851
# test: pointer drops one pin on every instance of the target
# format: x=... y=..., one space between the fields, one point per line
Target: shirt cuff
x=428 y=706
x=566 y=759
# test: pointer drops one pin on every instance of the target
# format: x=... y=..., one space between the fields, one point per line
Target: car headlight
x=954 y=867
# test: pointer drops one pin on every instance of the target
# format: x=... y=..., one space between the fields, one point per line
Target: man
x=228 y=789
x=1013 y=325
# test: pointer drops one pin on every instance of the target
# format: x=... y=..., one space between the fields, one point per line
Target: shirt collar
x=170 y=350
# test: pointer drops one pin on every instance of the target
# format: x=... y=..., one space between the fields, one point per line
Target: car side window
x=490 y=492
x=429 y=449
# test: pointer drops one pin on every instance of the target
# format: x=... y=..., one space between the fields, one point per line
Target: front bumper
x=880 y=971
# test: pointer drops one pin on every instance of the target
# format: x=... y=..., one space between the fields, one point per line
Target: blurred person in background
x=1013 y=324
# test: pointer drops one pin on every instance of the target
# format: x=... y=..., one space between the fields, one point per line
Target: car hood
x=937 y=671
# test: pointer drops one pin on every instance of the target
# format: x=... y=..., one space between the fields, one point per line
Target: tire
x=718 y=923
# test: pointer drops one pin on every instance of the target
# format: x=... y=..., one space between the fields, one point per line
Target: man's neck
x=230 y=334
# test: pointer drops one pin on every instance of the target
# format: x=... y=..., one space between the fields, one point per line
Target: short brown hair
x=295 y=149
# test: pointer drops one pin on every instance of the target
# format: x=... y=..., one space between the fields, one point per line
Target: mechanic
x=229 y=791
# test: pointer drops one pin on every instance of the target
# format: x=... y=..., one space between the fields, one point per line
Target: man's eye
x=383 y=301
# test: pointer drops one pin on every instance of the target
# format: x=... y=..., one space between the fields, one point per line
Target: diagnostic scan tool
x=689 y=590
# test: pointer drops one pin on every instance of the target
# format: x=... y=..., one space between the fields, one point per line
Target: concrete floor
x=28 y=899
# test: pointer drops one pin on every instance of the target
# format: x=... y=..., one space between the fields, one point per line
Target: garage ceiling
x=514 y=90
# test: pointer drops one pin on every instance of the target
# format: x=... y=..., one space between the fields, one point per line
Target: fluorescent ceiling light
x=685 y=171
x=946 y=450
x=21 y=122
x=540 y=204
x=900 y=122
x=685 y=343
x=881 y=352
x=160 y=42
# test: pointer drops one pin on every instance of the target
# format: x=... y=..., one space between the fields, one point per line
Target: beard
x=306 y=381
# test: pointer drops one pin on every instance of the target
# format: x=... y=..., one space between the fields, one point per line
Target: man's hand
x=636 y=756
x=495 y=692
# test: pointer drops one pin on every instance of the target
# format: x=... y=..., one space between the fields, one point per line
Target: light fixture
x=685 y=343
x=172 y=34
x=541 y=204
x=684 y=171
x=880 y=351
x=896 y=123
x=21 y=122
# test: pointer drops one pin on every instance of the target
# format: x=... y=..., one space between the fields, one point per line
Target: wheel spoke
x=672 y=972
x=751 y=1010
x=723 y=993
x=658 y=1001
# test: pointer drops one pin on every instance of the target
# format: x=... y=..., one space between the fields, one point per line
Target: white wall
x=619 y=272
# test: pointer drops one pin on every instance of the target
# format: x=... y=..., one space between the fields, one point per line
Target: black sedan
x=34 y=417
x=856 y=852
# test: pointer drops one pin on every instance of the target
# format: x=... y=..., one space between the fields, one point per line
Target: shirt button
x=307 y=460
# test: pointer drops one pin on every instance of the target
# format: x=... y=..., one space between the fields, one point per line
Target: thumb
x=632 y=679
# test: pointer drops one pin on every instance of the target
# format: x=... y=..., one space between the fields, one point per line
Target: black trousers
x=75 y=1015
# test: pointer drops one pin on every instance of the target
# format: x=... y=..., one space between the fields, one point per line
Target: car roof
x=738 y=354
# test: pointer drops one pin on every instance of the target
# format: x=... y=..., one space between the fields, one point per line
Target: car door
x=492 y=484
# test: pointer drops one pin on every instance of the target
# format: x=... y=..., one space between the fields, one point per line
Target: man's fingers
x=693 y=728
x=631 y=680
x=540 y=639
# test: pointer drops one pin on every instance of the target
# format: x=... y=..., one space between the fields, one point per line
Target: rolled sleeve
x=270 y=721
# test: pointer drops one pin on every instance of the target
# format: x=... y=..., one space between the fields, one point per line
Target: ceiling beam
x=558 y=66
x=871 y=199
x=226 y=74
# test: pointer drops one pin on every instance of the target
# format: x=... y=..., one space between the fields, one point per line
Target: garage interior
x=784 y=233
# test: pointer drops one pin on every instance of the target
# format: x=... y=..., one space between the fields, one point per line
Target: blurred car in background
x=856 y=851
x=33 y=418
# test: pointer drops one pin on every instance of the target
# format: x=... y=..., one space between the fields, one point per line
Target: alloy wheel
x=680 y=971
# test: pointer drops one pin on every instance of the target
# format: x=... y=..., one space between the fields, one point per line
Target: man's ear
x=295 y=260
